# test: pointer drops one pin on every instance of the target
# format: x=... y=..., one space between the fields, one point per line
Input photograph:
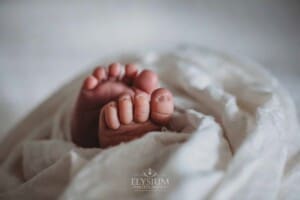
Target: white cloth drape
x=235 y=135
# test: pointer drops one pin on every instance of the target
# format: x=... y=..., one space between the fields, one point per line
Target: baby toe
x=111 y=116
x=100 y=73
x=141 y=107
x=125 y=109
x=162 y=106
x=90 y=83
x=114 y=70
x=146 y=81
x=131 y=72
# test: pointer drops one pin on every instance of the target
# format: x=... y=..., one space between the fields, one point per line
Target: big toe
x=146 y=81
x=162 y=106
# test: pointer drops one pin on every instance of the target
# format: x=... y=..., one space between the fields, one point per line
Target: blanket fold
x=234 y=135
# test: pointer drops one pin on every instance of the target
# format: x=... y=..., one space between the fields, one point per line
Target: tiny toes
x=141 y=107
x=114 y=70
x=146 y=81
x=162 y=106
x=125 y=109
x=100 y=73
x=90 y=83
x=131 y=70
x=130 y=73
x=111 y=116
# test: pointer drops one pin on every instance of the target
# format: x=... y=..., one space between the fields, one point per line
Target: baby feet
x=131 y=117
x=98 y=89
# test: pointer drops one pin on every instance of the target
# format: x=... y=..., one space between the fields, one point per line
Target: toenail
x=141 y=97
x=125 y=97
x=112 y=105
x=162 y=98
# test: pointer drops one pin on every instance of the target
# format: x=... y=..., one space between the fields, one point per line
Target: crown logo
x=150 y=173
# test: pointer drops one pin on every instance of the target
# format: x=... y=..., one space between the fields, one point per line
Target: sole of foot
x=101 y=87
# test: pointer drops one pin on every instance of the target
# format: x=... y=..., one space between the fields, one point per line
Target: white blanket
x=234 y=136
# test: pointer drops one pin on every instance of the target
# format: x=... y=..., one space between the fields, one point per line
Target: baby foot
x=100 y=88
x=132 y=117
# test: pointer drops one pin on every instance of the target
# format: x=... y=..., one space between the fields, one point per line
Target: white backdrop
x=45 y=44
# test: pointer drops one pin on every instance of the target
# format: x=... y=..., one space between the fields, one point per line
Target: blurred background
x=44 y=44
